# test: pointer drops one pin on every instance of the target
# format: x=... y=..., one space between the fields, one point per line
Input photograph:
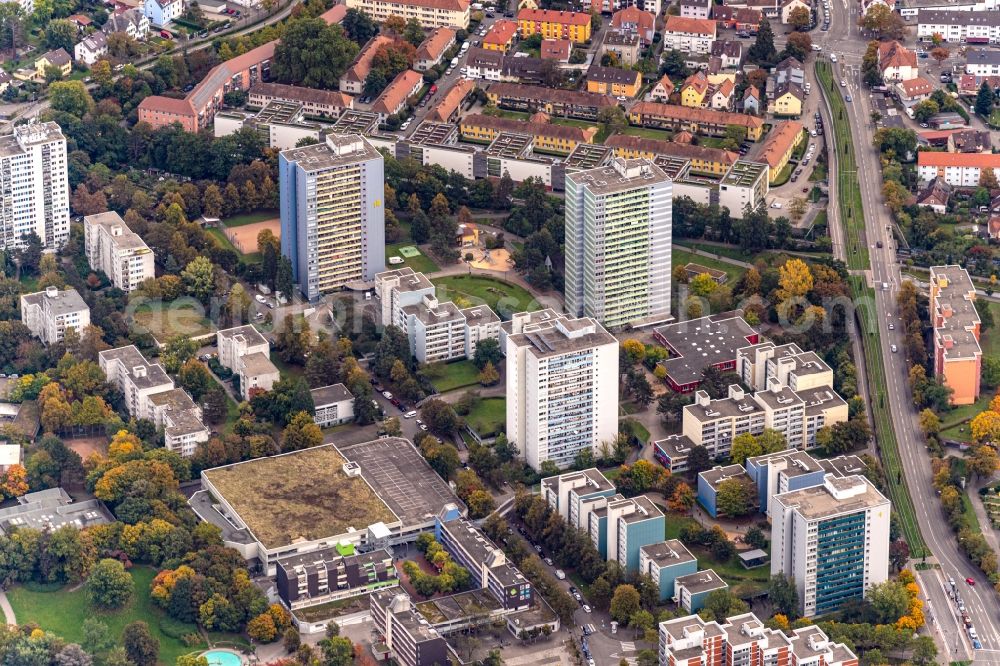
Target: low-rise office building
x=332 y=405
x=49 y=314
x=408 y=638
x=697 y=344
x=117 y=250
x=332 y=574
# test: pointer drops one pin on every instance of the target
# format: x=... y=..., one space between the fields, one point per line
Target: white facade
x=696 y=9
x=334 y=405
x=50 y=313
x=247 y=353
x=690 y=41
x=150 y=394
x=132 y=22
x=562 y=386
x=982 y=62
x=113 y=248
x=618 y=243
x=959 y=26
x=34 y=179
x=746 y=184
x=832 y=540
x=959 y=175
x=162 y=12
x=91 y=48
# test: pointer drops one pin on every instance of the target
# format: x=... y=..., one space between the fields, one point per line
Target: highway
x=981 y=601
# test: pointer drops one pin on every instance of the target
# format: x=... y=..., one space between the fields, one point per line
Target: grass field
x=783 y=175
x=250 y=218
x=454 y=375
x=731 y=570
x=955 y=423
x=852 y=217
x=488 y=417
x=991 y=337
x=505 y=298
x=223 y=242
x=168 y=320
x=420 y=263
x=62 y=612
x=648 y=133
x=681 y=257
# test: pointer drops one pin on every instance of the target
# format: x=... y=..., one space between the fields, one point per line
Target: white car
x=260 y=299
x=560 y=574
x=894 y=349
x=423 y=426
x=386 y=395
x=892 y=327
x=776 y=205
x=409 y=415
x=843 y=83
x=833 y=57
x=587 y=609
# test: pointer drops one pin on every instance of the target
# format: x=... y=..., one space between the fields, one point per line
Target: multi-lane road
x=982 y=604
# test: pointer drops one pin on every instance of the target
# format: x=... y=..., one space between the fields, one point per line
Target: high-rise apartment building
x=117 y=250
x=958 y=357
x=332 y=219
x=35 y=185
x=562 y=386
x=832 y=540
x=618 y=240
x=48 y=314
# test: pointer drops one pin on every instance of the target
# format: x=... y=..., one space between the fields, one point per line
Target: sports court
x=244 y=237
x=401 y=477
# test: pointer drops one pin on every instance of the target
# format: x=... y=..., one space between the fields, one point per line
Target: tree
x=199 y=278
x=283 y=281
x=762 y=52
x=800 y=18
x=487 y=351
x=930 y=423
x=985 y=426
x=359 y=27
x=744 y=446
x=984 y=100
x=735 y=497
x=109 y=585
x=625 y=603
x=313 y=54
x=682 y=499
x=940 y=54
x=14 y=482
x=889 y=601
x=699 y=459
x=261 y=628
x=70 y=97
x=489 y=375
x=782 y=593
x=923 y=111
x=899 y=553
x=301 y=433
x=440 y=417
x=195 y=378
x=140 y=645
x=799 y=45
x=984 y=461
x=72 y=655
x=95 y=636
x=215 y=405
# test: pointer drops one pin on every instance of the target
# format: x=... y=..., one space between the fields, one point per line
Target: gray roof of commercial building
x=700 y=343
x=957 y=17
x=705 y=580
x=718 y=474
x=64 y=302
x=668 y=553
x=328 y=395
x=51 y=509
x=475 y=543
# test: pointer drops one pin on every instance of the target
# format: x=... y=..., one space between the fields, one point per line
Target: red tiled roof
x=161 y=104
x=362 y=64
x=501 y=33
x=780 y=141
x=553 y=16
x=449 y=103
x=933 y=158
x=690 y=25
x=917 y=86
x=396 y=92
x=556 y=49
x=434 y=46
x=894 y=54
x=698 y=81
x=335 y=14
x=667 y=84
x=633 y=14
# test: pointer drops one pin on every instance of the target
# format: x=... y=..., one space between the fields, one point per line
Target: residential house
x=432 y=50
x=57 y=58
x=958 y=26
x=161 y=12
x=449 y=105
x=982 y=62
x=914 y=90
x=80 y=21
x=552 y=24
x=789 y=6
x=935 y=195
x=394 y=97
x=500 y=36
x=993 y=227
x=730 y=53
x=743 y=19
x=553 y=101
x=788 y=99
x=703 y=159
x=703 y=121
x=131 y=22
x=613 y=81
x=662 y=91
x=696 y=9
x=694 y=90
x=547 y=136
x=314 y=102
x=896 y=62
x=556 y=49
x=751 y=100
x=688 y=35
x=970 y=141
x=958 y=169
x=353 y=79
x=624 y=45
x=90 y=48
x=429 y=13
x=779 y=146
x=634 y=20
x=721 y=96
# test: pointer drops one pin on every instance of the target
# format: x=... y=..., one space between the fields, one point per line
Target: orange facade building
x=958 y=357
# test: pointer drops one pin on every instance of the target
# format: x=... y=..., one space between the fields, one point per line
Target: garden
x=504 y=298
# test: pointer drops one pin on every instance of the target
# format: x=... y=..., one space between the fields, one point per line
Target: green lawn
x=648 y=133
x=63 y=612
x=488 y=417
x=991 y=336
x=731 y=570
x=420 y=263
x=453 y=375
x=516 y=115
x=955 y=422
x=783 y=175
x=681 y=257
x=505 y=298
x=168 y=320
x=223 y=242
x=250 y=218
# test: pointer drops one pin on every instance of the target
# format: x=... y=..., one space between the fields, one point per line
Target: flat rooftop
x=336 y=151
x=401 y=477
x=718 y=474
x=620 y=176
x=510 y=145
x=59 y=302
x=674 y=167
x=561 y=336
x=696 y=344
x=585 y=482
x=430 y=132
x=676 y=446
x=51 y=509
x=725 y=407
x=744 y=173
x=701 y=581
x=327 y=395
x=954 y=313
x=837 y=496
x=589 y=156
x=356 y=122
x=304 y=495
x=843 y=465
x=277 y=111
x=470 y=604
x=668 y=553
x=250 y=334
x=127 y=239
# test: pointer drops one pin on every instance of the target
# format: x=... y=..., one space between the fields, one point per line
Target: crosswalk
x=628 y=647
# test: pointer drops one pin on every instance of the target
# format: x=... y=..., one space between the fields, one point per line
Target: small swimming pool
x=222 y=658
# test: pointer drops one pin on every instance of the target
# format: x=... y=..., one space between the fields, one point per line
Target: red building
x=697 y=344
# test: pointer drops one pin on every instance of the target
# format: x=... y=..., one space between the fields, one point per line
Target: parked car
x=386 y=395
x=409 y=415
